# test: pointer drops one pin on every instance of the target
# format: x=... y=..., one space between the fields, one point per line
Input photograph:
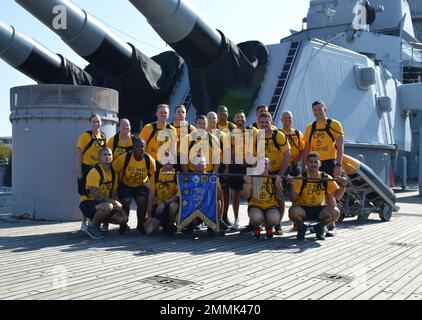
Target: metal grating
x=167 y=282
x=335 y=277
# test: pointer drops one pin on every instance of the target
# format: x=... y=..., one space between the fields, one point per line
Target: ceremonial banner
x=198 y=199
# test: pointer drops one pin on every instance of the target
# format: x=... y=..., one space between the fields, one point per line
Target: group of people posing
x=286 y=164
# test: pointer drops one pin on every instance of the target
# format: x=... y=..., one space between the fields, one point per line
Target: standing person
x=239 y=142
x=100 y=203
x=297 y=145
x=263 y=194
x=134 y=169
x=226 y=128
x=277 y=150
x=223 y=123
x=262 y=108
x=182 y=126
x=163 y=201
x=122 y=141
x=201 y=141
x=88 y=148
x=150 y=134
x=315 y=199
x=326 y=137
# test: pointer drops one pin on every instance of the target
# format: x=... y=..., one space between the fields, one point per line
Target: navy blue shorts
x=312 y=213
x=88 y=208
x=236 y=183
x=126 y=192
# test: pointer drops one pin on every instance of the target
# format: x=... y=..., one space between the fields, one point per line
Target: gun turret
x=220 y=71
x=142 y=82
x=36 y=61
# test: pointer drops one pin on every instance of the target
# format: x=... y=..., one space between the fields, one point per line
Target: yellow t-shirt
x=321 y=141
x=93 y=179
x=227 y=127
x=297 y=144
x=121 y=146
x=265 y=196
x=195 y=144
x=165 y=187
x=190 y=128
x=275 y=155
x=92 y=154
x=313 y=194
x=136 y=173
x=154 y=145
x=239 y=141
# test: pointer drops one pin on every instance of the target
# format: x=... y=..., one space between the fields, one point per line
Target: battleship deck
x=378 y=260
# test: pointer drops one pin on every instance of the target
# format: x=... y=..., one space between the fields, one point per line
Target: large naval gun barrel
x=36 y=61
x=142 y=82
x=220 y=72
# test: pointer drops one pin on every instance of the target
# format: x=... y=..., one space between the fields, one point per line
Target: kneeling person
x=163 y=202
x=100 y=204
x=263 y=194
x=313 y=198
x=134 y=170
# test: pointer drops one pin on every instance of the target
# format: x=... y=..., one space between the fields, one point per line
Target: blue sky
x=267 y=21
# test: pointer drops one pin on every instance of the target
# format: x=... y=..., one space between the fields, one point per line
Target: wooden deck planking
x=225 y=268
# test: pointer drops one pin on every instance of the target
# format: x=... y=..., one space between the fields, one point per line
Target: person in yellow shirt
x=263 y=194
x=202 y=143
x=262 y=108
x=183 y=128
x=160 y=134
x=277 y=149
x=122 y=141
x=134 y=170
x=223 y=123
x=314 y=198
x=88 y=149
x=245 y=145
x=100 y=202
x=326 y=137
x=297 y=145
x=163 y=201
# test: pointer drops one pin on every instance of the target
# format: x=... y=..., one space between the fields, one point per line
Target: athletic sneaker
x=123 y=228
x=83 y=227
x=331 y=232
x=257 y=232
x=94 y=233
x=269 y=233
x=104 y=227
x=319 y=232
x=223 y=226
x=236 y=224
x=278 y=230
x=301 y=232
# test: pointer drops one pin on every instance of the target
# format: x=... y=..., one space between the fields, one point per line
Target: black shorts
x=312 y=213
x=328 y=166
x=88 y=208
x=126 y=192
x=236 y=183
